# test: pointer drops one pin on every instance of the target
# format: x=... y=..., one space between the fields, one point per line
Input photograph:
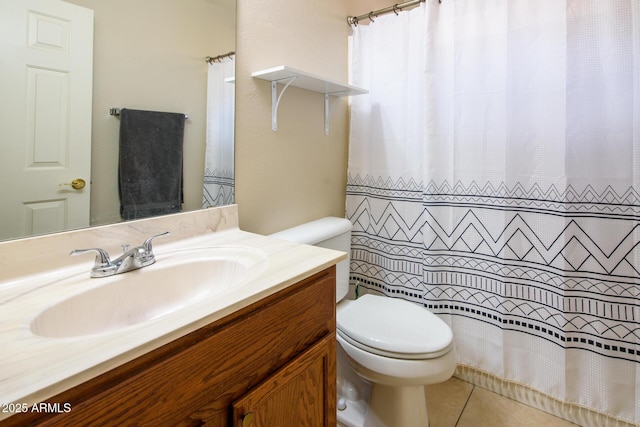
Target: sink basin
x=176 y=281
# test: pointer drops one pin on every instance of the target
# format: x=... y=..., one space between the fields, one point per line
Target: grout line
x=465 y=404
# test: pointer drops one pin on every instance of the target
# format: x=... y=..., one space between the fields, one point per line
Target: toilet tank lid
x=317 y=231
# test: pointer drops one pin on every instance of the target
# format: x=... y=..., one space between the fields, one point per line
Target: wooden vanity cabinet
x=296 y=395
x=270 y=364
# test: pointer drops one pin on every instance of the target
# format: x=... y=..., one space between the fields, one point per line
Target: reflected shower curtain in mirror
x=494 y=177
x=219 y=158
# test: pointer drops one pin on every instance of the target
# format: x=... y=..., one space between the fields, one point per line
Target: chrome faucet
x=131 y=259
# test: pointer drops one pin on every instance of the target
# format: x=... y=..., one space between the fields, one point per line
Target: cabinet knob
x=247 y=419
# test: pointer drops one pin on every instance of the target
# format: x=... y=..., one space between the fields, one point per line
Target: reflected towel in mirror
x=150 y=163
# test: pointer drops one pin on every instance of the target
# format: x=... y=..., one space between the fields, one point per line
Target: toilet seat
x=393 y=327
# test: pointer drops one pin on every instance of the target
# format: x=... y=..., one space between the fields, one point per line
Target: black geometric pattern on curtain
x=219 y=188
x=560 y=264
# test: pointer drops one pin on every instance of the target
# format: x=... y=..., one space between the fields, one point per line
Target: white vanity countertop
x=35 y=368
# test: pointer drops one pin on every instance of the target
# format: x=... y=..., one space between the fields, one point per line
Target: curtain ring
x=370 y=18
x=396 y=8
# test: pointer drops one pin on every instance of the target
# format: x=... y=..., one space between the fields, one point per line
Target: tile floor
x=457 y=403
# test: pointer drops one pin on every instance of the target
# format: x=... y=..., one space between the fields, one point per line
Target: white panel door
x=46 y=72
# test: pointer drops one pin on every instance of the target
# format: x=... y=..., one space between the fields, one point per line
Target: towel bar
x=116 y=112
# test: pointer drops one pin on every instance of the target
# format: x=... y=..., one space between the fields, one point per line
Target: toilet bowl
x=399 y=347
x=393 y=346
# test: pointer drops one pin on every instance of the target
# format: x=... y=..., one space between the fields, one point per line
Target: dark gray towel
x=150 y=163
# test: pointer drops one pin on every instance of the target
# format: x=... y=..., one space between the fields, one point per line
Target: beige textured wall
x=149 y=54
x=296 y=174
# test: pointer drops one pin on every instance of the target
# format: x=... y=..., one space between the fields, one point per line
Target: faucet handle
x=102 y=257
x=147 y=243
x=102 y=266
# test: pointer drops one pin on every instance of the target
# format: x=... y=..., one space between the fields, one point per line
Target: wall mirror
x=147 y=55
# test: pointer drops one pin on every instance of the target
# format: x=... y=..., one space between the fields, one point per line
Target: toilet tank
x=332 y=233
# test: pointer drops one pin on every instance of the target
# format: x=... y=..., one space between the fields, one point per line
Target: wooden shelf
x=288 y=76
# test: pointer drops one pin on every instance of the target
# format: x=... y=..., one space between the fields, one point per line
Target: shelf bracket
x=327 y=111
x=275 y=100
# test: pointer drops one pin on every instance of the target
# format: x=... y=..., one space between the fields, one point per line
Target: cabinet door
x=302 y=393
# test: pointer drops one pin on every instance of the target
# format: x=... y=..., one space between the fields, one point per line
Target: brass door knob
x=247 y=420
x=76 y=184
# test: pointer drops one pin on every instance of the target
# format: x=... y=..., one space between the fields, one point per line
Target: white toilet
x=395 y=346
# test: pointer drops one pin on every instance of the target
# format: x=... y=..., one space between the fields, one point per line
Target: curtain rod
x=219 y=58
x=353 y=20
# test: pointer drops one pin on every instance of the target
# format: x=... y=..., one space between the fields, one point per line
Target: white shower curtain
x=494 y=176
x=219 y=159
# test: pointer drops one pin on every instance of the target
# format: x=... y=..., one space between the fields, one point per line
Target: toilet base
x=354 y=414
x=354 y=391
x=397 y=407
